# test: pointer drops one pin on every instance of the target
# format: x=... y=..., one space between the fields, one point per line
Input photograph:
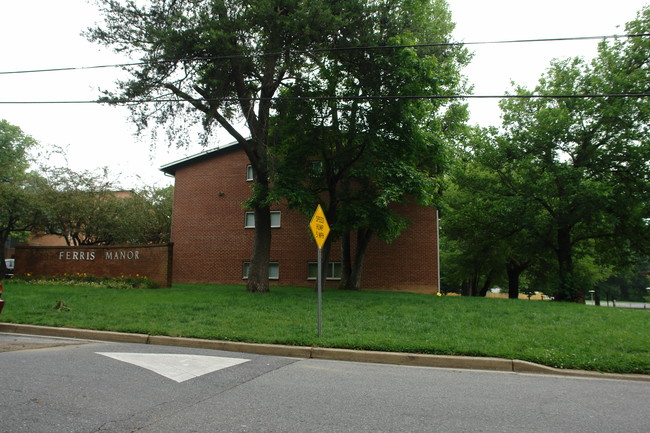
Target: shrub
x=86 y=280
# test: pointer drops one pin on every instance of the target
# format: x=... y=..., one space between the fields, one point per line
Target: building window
x=274 y=270
x=333 y=270
x=275 y=219
x=249 y=173
x=249 y=219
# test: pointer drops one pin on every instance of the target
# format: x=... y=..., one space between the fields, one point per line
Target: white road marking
x=176 y=367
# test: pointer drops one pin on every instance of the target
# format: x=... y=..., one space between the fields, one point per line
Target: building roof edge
x=171 y=167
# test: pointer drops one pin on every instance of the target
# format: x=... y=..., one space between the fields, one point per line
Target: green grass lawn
x=555 y=334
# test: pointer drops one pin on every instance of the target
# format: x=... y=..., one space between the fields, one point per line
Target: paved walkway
x=638 y=305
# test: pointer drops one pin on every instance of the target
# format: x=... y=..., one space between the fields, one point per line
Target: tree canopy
x=82 y=207
x=228 y=59
x=572 y=172
x=87 y=208
x=15 y=206
x=352 y=137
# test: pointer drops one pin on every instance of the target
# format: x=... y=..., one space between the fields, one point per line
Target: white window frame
x=249 y=173
x=274 y=270
x=249 y=220
x=330 y=275
x=276 y=219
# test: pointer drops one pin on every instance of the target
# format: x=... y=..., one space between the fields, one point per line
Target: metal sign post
x=320 y=229
x=320 y=291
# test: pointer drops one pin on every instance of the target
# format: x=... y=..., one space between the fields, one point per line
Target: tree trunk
x=469 y=286
x=486 y=284
x=513 y=283
x=569 y=290
x=351 y=271
x=514 y=271
x=363 y=239
x=346 y=261
x=473 y=284
x=4 y=235
x=258 y=271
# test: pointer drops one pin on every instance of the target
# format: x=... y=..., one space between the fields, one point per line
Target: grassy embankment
x=555 y=334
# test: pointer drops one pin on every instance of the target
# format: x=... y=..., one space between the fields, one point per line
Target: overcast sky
x=44 y=34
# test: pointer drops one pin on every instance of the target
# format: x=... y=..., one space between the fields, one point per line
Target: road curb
x=87 y=334
x=395 y=358
x=413 y=359
x=233 y=346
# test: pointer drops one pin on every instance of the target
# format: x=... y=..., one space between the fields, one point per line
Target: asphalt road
x=58 y=385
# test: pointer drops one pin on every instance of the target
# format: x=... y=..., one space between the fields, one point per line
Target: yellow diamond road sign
x=319 y=227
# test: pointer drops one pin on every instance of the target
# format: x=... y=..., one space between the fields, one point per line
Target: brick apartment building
x=212 y=233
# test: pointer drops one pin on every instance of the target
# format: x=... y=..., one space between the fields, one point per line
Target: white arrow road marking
x=176 y=367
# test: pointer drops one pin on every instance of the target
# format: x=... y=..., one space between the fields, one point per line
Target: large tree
x=582 y=160
x=226 y=59
x=145 y=216
x=16 y=207
x=369 y=127
x=81 y=207
x=87 y=208
x=489 y=232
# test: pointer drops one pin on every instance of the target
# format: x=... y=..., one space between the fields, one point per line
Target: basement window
x=274 y=270
x=333 y=271
x=249 y=219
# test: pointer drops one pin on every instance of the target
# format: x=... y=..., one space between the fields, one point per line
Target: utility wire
x=365 y=48
x=343 y=98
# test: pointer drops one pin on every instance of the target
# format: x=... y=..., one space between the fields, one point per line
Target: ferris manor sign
x=151 y=261
x=92 y=255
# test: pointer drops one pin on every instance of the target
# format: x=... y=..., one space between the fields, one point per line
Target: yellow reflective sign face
x=319 y=227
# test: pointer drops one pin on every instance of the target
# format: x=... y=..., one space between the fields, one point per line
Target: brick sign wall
x=152 y=261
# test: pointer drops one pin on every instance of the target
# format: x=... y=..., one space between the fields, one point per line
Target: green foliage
x=228 y=60
x=556 y=334
x=78 y=206
x=87 y=209
x=14 y=145
x=486 y=229
x=627 y=284
x=569 y=176
x=16 y=198
x=145 y=216
x=353 y=114
x=88 y=280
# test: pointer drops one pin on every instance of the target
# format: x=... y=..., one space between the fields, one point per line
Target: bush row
x=82 y=279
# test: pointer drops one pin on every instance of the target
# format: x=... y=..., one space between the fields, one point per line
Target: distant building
x=212 y=233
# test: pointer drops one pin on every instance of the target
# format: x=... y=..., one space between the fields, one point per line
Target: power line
x=337 y=49
x=344 y=98
x=80 y=68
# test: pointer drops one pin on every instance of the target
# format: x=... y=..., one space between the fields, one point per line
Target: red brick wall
x=211 y=243
x=208 y=232
x=152 y=261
